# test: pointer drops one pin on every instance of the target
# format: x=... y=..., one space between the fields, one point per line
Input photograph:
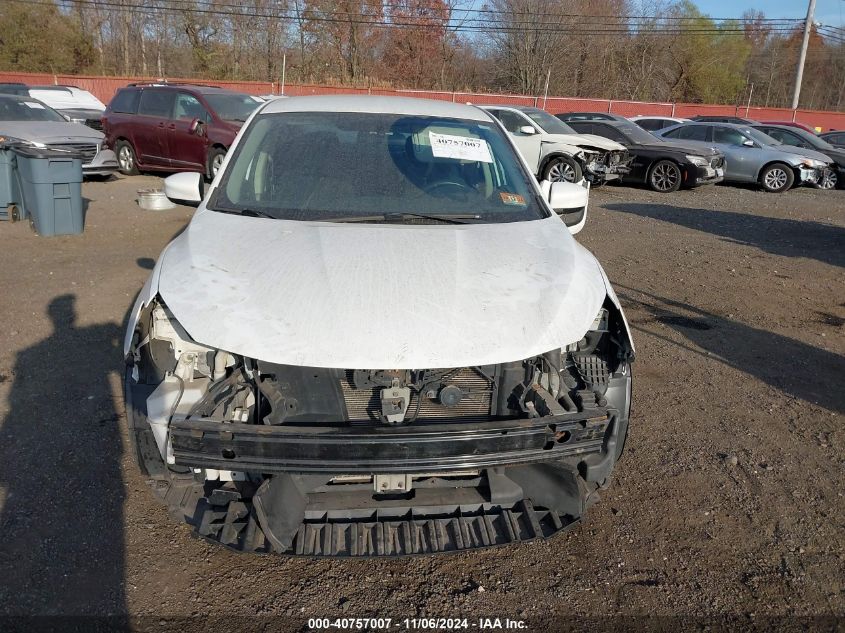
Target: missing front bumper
x=202 y=443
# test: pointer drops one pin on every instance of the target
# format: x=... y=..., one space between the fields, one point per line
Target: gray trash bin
x=10 y=192
x=51 y=184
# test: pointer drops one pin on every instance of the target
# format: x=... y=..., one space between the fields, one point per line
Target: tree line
x=644 y=50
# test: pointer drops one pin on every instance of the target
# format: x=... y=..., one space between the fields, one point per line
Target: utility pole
x=799 y=74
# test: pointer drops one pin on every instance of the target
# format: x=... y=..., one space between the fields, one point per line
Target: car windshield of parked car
x=760 y=137
x=360 y=167
x=27 y=110
x=548 y=123
x=232 y=107
x=637 y=134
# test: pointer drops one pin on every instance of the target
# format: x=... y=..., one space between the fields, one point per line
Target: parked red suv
x=174 y=127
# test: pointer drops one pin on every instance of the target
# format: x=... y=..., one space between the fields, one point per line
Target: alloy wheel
x=216 y=163
x=665 y=177
x=125 y=158
x=828 y=179
x=561 y=172
x=776 y=179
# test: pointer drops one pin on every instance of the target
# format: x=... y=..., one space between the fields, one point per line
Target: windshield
x=27 y=110
x=817 y=142
x=760 y=137
x=345 y=166
x=638 y=134
x=548 y=123
x=232 y=107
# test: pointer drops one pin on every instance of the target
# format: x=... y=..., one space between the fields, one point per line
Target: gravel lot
x=728 y=501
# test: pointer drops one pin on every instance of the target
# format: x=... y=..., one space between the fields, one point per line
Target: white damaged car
x=556 y=152
x=376 y=337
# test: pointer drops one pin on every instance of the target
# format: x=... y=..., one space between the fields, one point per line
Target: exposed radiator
x=365 y=404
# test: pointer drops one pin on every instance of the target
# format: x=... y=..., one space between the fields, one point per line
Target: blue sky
x=830 y=12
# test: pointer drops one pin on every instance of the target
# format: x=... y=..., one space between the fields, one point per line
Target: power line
x=480 y=26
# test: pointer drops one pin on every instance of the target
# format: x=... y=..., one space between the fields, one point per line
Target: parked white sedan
x=376 y=337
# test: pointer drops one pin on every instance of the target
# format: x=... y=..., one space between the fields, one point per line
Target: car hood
x=581 y=140
x=49 y=131
x=364 y=296
x=802 y=151
x=698 y=148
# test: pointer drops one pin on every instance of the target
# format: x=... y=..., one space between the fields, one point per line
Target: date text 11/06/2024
x=417 y=624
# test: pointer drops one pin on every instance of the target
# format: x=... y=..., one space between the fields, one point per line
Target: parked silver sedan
x=752 y=156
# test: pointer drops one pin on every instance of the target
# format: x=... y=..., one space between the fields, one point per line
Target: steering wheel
x=460 y=187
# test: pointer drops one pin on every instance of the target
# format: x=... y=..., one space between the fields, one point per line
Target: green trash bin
x=51 y=184
x=10 y=192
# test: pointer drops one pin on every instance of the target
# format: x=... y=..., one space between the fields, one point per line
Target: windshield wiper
x=449 y=219
x=247 y=212
x=393 y=217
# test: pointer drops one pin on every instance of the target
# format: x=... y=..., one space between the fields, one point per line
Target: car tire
x=664 y=176
x=829 y=180
x=562 y=169
x=127 y=160
x=215 y=160
x=777 y=178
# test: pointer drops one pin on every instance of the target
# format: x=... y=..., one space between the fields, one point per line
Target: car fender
x=145 y=297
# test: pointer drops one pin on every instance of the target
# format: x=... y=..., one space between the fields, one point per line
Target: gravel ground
x=727 y=502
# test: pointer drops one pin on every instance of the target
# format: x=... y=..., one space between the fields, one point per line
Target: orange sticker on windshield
x=512 y=198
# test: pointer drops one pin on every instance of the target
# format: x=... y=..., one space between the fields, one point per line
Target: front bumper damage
x=350 y=490
x=696 y=175
x=608 y=166
x=811 y=176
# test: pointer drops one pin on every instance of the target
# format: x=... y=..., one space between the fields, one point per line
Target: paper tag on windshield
x=33 y=104
x=459 y=147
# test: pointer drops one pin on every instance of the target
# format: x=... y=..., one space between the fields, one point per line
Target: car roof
x=377 y=104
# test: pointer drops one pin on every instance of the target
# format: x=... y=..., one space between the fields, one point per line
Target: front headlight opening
x=698 y=161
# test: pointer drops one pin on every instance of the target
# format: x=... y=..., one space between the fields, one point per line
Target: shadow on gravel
x=798 y=369
x=788 y=238
x=61 y=524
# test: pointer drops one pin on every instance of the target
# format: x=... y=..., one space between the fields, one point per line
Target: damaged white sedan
x=376 y=337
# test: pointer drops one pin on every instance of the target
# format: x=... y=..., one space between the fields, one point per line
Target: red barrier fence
x=105 y=87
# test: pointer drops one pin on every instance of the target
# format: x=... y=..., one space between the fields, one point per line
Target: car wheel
x=562 y=169
x=126 y=159
x=777 y=178
x=664 y=176
x=215 y=160
x=828 y=180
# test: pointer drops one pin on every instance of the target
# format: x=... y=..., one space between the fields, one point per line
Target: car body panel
x=834 y=137
x=167 y=142
x=540 y=147
x=470 y=296
x=57 y=134
x=744 y=163
x=647 y=149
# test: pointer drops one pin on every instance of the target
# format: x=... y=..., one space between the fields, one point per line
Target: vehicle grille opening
x=364 y=405
x=86 y=151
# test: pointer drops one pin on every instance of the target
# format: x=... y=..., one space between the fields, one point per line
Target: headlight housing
x=22 y=141
x=698 y=161
x=811 y=162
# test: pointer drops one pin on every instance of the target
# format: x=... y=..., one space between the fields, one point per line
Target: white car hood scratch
x=379 y=296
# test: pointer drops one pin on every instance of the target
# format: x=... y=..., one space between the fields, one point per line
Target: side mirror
x=569 y=201
x=749 y=143
x=196 y=127
x=185 y=188
x=528 y=130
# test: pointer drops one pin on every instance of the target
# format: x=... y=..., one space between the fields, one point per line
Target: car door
x=742 y=161
x=527 y=144
x=150 y=126
x=186 y=133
